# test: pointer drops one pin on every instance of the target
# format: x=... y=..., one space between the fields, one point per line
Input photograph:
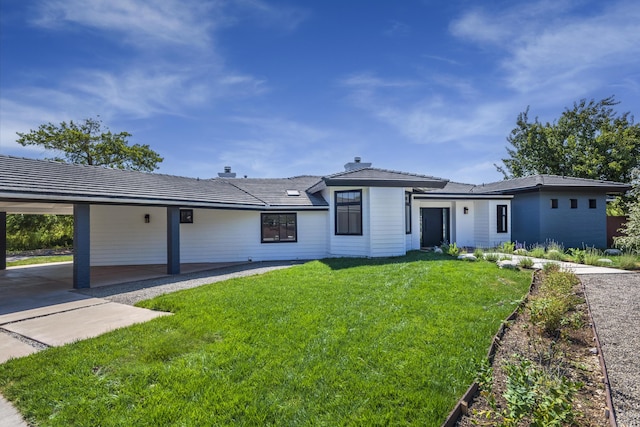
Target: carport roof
x=43 y=180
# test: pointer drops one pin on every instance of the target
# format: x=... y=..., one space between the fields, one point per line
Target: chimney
x=356 y=164
x=227 y=173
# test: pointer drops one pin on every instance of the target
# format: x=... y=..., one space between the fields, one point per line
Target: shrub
x=507 y=247
x=592 y=256
x=551 y=267
x=453 y=249
x=578 y=254
x=492 y=257
x=554 y=246
x=555 y=255
x=555 y=299
x=627 y=262
x=537 y=252
x=525 y=263
x=478 y=253
x=520 y=251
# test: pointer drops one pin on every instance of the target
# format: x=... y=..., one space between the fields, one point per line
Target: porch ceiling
x=25 y=207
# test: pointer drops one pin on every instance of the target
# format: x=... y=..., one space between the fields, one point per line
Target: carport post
x=81 y=246
x=3 y=240
x=173 y=240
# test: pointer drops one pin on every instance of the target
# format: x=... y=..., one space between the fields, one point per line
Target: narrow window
x=574 y=203
x=554 y=203
x=592 y=204
x=349 y=212
x=407 y=213
x=502 y=218
x=279 y=227
x=186 y=216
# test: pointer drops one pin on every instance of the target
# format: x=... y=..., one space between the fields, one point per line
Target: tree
x=589 y=141
x=631 y=240
x=91 y=143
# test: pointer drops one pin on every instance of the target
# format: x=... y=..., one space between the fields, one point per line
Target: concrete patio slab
x=85 y=322
x=12 y=348
x=9 y=415
x=46 y=310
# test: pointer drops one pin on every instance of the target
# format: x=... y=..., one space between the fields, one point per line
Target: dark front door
x=435 y=226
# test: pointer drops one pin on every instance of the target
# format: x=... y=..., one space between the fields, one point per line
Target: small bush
x=453 y=249
x=555 y=255
x=555 y=299
x=627 y=262
x=525 y=263
x=578 y=255
x=520 y=251
x=492 y=257
x=551 y=267
x=478 y=253
x=592 y=256
x=554 y=246
x=537 y=252
x=507 y=247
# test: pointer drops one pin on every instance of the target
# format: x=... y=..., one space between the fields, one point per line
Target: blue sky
x=285 y=88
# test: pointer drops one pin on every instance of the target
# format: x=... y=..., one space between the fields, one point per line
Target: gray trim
x=173 y=240
x=336 y=182
x=3 y=240
x=81 y=246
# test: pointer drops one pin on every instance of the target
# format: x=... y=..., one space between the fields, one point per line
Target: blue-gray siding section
x=534 y=220
x=81 y=246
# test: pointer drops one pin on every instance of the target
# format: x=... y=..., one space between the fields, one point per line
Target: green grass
x=336 y=342
x=40 y=260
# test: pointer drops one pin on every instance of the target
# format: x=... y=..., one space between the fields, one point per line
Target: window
x=186 y=216
x=279 y=227
x=502 y=218
x=592 y=204
x=349 y=212
x=574 y=203
x=554 y=203
x=407 y=213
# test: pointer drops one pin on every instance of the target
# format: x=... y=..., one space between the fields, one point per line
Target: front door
x=435 y=226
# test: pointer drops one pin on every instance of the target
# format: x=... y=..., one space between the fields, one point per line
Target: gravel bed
x=132 y=292
x=614 y=300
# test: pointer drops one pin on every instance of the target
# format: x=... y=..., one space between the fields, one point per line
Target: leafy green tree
x=631 y=240
x=87 y=143
x=591 y=140
x=91 y=143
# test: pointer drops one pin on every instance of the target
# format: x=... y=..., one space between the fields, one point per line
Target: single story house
x=133 y=218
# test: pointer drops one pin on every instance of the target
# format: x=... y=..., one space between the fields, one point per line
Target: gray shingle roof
x=47 y=180
x=550 y=181
x=274 y=191
x=378 y=177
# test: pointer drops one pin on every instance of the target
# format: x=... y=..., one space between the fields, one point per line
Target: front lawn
x=334 y=342
x=40 y=260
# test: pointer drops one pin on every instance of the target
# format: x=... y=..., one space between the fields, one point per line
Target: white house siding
x=482 y=233
x=230 y=235
x=386 y=219
x=346 y=246
x=486 y=224
x=119 y=235
x=464 y=223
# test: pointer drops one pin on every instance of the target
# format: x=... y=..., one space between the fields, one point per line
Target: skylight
x=293 y=193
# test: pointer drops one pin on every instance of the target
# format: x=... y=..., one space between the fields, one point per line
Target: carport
x=46 y=187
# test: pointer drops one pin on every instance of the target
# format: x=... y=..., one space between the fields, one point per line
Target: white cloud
x=547 y=48
x=397 y=29
x=169 y=22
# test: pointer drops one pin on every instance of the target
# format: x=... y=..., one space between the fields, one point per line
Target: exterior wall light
x=147 y=218
x=465 y=210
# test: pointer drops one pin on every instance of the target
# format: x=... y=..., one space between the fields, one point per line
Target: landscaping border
x=610 y=413
x=462 y=406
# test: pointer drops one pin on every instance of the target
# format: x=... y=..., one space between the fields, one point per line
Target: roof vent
x=356 y=164
x=227 y=173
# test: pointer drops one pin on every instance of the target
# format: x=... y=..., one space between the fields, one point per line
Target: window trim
x=554 y=203
x=407 y=206
x=502 y=219
x=573 y=203
x=279 y=214
x=593 y=203
x=336 y=204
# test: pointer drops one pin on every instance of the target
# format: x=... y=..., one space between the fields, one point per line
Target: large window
x=407 y=213
x=502 y=218
x=349 y=212
x=279 y=227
